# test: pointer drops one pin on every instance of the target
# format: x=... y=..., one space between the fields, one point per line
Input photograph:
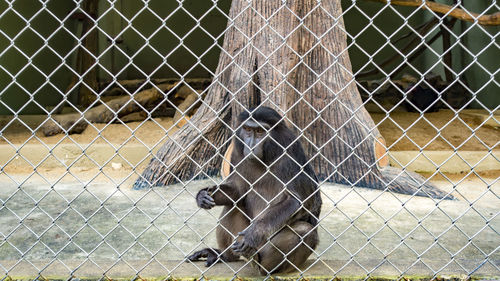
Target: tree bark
x=292 y=57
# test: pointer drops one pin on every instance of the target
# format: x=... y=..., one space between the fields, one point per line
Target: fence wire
x=111 y=81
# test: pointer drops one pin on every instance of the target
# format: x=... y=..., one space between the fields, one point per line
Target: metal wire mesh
x=68 y=208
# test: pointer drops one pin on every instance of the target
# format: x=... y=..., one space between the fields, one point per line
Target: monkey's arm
x=262 y=227
x=276 y=215
x=224 y=194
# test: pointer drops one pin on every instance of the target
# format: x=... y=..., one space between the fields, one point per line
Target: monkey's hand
x=248 y=244
x=204 y=200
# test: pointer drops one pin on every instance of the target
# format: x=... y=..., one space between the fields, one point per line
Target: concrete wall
x=172 y=38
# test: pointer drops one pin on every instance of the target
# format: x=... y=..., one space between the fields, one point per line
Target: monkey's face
x=253 y=135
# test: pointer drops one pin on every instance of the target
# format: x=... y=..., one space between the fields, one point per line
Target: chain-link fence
x=354 y=140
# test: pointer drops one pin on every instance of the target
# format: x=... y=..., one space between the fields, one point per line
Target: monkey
x=271 y=200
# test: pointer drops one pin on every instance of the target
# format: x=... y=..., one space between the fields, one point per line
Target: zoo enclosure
x=40 y=59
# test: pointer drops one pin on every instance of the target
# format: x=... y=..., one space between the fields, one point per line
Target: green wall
x=170 y=32
x=161 y=44
x=482 y=73
x=44 y=43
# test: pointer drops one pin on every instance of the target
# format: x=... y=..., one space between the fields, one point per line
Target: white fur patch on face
x=253 y=124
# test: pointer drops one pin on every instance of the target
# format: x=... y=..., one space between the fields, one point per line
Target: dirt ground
x=441 y=130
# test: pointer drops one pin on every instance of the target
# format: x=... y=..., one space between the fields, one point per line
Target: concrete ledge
x=180 y=270
x=95 y=155
x=446 y=161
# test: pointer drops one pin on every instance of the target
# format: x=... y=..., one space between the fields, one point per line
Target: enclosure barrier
x=301 y=139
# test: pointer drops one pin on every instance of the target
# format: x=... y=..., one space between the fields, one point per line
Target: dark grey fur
x=270 y=200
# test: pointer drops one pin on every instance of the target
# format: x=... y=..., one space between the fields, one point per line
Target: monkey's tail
x=407 y=182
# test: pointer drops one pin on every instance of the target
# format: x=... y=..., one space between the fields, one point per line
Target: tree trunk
x=292 y=57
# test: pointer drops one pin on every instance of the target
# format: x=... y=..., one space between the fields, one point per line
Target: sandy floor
x=442 y=130
x=149 y=132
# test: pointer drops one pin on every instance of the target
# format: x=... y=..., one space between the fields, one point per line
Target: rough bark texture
x=294 y=58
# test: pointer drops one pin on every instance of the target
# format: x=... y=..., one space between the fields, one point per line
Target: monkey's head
x=259 y=134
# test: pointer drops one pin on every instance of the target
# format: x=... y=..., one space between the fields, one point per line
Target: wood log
x=143 y=115
x=183 y=92
x=164 y=110
x=133 y=117
x=388 y=93
x=464 y=15
x=187 y=107
x=132 y=86
x=104 y=113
